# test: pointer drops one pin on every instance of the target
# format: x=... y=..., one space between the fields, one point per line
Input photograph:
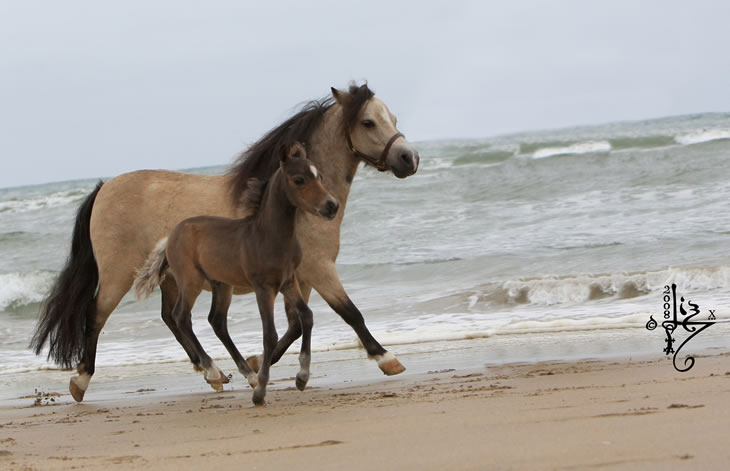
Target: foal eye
x=298 y=181
x=368 y=123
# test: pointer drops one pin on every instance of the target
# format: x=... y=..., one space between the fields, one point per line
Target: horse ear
x=341 y=97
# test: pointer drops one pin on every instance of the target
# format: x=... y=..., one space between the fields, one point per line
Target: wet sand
x=590 y=414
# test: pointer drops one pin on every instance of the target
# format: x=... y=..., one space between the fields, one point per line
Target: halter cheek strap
x=378 y=163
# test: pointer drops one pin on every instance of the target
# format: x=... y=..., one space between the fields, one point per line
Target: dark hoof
x=259 y=398
x=76 y=392
x=301 y=382
x=255 y=362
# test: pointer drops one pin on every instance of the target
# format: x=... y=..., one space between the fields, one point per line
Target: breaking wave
x=580 y=289
x=703 y=135
x=23 y=289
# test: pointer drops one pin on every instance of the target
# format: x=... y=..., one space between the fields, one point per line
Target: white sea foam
x=578 y=148
x=19 y=289
x=53 y=200
x=703 y=135
x=439 y=332
x=579 y=289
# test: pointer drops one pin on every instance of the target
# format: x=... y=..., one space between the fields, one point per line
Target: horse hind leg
x=218 y=319
x=112 y=289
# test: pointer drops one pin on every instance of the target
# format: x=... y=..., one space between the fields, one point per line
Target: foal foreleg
x=328 y=285
x=218 y=319
x=293 y=297
x=265 y=296
x=293 y=331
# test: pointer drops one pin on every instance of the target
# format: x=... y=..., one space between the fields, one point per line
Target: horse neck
x=276 y=217
x=329 y=151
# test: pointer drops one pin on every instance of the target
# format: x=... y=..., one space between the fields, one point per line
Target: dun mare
x=120 y=222
x=260 y=251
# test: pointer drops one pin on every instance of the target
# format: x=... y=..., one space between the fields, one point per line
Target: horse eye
x=368 y=123
x=298 y=180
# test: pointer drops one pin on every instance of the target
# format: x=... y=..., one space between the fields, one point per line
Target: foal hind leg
x=218 y=319
x=112 y=288
x=293 y=297
x=182 y=314
x=169 y=296
x=293 y=332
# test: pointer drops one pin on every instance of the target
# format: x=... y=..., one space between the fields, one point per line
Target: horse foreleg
x=328 y=285
x=293 y=297
x=218 y=319
x=265 y=298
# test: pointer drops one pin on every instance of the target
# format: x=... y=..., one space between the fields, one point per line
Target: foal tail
x=70 y=309
x=152 y=272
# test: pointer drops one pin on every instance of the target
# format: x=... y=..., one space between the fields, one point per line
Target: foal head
x=303 y=183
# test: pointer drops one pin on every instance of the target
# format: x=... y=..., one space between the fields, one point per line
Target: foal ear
x=341 y=97
x=297 y=151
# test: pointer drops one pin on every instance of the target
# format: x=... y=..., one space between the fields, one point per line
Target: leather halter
x=378 y=163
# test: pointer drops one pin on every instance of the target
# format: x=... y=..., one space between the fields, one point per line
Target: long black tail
x=71 y=305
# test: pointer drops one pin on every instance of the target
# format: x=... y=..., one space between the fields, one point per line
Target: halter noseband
x=378 y=163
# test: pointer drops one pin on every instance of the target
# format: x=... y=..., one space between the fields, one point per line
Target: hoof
x=259 y=398
x=224 y=379
x=216 y=384
x=255 y=362
x=76 y=392
x=392 y=367
x=253 y=380
x=301 y=381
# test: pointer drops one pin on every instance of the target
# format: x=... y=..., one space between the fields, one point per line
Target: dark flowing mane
x=251 y=200
x=262 y=159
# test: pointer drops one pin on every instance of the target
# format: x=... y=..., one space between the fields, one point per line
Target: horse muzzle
x=406 y=164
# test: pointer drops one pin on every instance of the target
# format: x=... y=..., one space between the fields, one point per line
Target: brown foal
x=260 y=251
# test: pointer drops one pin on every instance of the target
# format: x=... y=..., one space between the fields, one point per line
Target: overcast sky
x=100 y=88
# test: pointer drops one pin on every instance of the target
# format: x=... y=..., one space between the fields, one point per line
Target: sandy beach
x=622 y=413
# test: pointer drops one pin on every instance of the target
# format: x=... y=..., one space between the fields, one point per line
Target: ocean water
x=525 y=235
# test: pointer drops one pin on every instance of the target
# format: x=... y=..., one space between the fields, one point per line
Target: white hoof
x=253 y=380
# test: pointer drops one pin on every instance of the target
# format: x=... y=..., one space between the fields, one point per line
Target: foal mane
x=261 y=160
x=251 y=200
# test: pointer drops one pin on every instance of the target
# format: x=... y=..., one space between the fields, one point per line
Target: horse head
x=371 y=132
